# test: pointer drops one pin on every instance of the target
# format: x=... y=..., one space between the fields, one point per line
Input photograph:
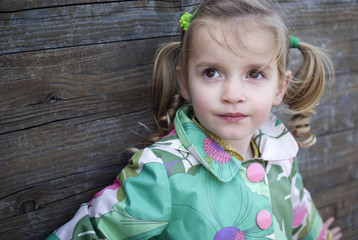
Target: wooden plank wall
x=74 y=77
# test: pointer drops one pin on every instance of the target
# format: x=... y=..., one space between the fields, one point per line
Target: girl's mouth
x=233 y=117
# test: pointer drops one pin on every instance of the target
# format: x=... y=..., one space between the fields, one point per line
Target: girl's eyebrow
x=263 y=66
x=209 y=64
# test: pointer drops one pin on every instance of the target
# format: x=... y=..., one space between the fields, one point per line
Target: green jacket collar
x=270 y=139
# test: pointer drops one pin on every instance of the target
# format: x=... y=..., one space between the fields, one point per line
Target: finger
x=328 y=222
x=337 y=237
x=335 y=230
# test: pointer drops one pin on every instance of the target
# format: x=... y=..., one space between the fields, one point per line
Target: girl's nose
x=233 y=92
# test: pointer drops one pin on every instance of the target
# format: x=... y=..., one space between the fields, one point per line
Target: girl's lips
x=233 y=117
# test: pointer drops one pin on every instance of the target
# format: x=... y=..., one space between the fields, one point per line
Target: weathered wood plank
x=76 y=141
x=331 y=161
x=338 y=111
x=79 y=25
x=38 y=224
x=28 y=78
x=78 y=109
x=41 y=194
x=20 y=5
x=319 y=13
x=343 y=199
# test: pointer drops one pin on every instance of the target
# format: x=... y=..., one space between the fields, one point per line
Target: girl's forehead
x=236 y=37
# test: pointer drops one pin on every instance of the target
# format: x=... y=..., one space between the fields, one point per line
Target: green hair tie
x=294 y=42
x=186 y=18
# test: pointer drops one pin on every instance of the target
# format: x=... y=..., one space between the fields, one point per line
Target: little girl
x=221 y=166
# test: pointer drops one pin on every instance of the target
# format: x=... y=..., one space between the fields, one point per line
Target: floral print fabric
x=187 y=187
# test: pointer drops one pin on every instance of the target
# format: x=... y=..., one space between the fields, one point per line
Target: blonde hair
x=305 y=89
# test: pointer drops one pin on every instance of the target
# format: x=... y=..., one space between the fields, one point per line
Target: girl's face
x=233 y=88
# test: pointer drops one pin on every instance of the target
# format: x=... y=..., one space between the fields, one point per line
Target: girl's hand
x=336 y=233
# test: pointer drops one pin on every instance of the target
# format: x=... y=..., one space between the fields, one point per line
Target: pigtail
x=165 y=90
x=306 y=90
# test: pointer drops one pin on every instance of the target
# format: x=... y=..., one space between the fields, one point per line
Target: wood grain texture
x=76 y=72
x=74 y=88
x=87 y=24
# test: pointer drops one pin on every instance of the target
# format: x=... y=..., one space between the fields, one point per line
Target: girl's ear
x=282 y=87
x=184 y=91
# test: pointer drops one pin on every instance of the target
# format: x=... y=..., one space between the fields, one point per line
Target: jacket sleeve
x=307 y=223
x=137 y=205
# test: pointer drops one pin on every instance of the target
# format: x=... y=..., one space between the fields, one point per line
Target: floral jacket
x=186 y=186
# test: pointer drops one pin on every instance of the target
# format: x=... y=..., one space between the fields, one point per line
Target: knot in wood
x=28 y=206
x=53 y=97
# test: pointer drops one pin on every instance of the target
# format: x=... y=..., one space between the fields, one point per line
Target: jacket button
x=255 y=172
x=264 y=219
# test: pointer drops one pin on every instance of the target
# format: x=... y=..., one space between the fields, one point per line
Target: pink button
x=255 y=172
x=264 y=219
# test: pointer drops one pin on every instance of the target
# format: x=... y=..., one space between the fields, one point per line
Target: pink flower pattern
x=215 y=151
x=114 y=186
x=323 y=234
x=299 y=214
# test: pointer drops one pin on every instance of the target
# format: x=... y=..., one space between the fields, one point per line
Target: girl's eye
x=255 y=74
x=211 y=73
